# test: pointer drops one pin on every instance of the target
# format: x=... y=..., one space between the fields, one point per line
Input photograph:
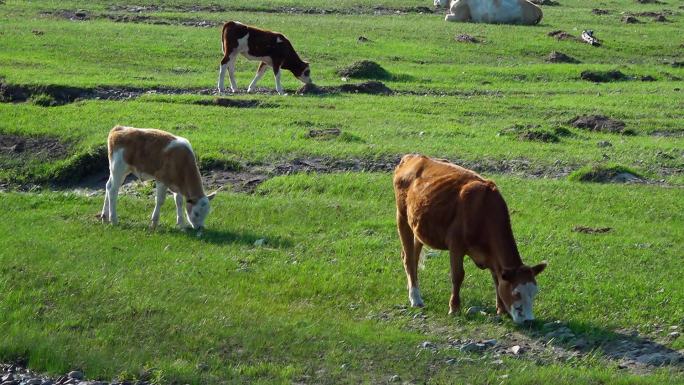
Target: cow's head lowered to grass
x=197 y=211
x=517 y=289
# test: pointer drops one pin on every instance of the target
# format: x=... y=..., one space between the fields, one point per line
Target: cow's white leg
x=279 y=87
x=222 y=76
x=117 y=173
x=159 y=201
x=104 y=214
x=180 y=219
x=231 y=73
x=260 y=72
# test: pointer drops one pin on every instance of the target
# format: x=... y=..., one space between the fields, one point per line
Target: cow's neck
x=293 y=63
x=504 y=250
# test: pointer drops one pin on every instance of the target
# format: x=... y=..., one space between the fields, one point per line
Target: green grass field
x=323 y=300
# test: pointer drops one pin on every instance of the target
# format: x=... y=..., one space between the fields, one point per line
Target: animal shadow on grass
x=626 y=348
x=223 y=237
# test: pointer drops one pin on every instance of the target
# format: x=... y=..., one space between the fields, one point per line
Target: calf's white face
x=197 y=211
x=521 y=309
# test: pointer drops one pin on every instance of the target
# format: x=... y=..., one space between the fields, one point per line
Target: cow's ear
x=508 y=275
x=539 y=268
x=212 y=195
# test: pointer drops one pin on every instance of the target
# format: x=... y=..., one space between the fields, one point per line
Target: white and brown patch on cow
x=270 y=49
x=158 y=155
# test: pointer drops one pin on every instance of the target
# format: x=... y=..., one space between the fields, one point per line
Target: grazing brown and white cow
x=448 y=207
x=158 y=155
x=270 y=48
x=492 y=11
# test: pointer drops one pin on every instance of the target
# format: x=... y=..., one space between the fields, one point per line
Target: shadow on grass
x=626 y=348
x=223 y=237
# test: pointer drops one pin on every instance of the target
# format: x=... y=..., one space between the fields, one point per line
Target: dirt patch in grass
x=630 y=20
x=604 y=76
x=551 y=3
x=235 y=103
x=364 y=69
x=324 y=133
x=539 y=136
x=560 y=57
x=371 y=87
x=465 y=38
x=130 y=18
x=40 y=147
x=591 y=230
x=213 y=8
x=606 y=174
x=562 y=35
x=57 y=95
x=600 y=123
x=668 y=133
x=598 y=11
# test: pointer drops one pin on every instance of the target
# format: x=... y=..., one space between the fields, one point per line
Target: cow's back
x=438 y=198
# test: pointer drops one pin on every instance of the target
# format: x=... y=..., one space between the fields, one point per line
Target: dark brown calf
x=270 y=48
x=448 y=207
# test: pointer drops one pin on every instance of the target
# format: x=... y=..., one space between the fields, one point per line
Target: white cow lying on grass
x=158 y=155
x=492 y=11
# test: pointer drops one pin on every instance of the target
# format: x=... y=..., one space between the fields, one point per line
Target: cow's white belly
x=487 y=11
x=265 y=59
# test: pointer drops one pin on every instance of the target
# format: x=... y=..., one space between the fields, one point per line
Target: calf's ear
x=539 y=268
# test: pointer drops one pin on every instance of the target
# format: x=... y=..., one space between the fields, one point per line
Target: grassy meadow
x=322 y=300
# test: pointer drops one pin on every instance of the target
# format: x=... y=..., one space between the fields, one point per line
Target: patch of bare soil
x=562 y=35
x=603 y=76
x=465 y=38
x=600 y=123
x=364 y=69
x=227 y=102
x=551 y=3
x=60 y=95
x=649 y=2
x=630 y=20
x=591 y=230
x=324 y=133
x=598 y=11
x=212 y=8
x=130 y=18
x=40 y=147
x=370 y=87
x=545 y=343
x=668 y=134
x=560 y=57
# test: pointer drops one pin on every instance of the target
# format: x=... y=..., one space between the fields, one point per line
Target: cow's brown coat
x=448 y=207
x=146 y=153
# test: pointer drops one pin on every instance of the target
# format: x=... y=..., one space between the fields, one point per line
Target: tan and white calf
x=270 y=48
x=492 y=11
x=159 y=155
x=448 y=207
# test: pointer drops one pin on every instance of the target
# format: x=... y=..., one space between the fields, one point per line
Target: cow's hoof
x=414 y=297
x=455 y=311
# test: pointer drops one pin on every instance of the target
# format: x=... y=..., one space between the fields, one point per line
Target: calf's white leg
x=159 y=201
x=117 y=173
x=260 y=72
x=231 y=73
x=180 y=220
x=222 y=76
x=279 y=86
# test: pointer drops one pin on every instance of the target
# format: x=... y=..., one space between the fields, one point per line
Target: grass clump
x=611 y=173
x=43 y=100
x=364 y=69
